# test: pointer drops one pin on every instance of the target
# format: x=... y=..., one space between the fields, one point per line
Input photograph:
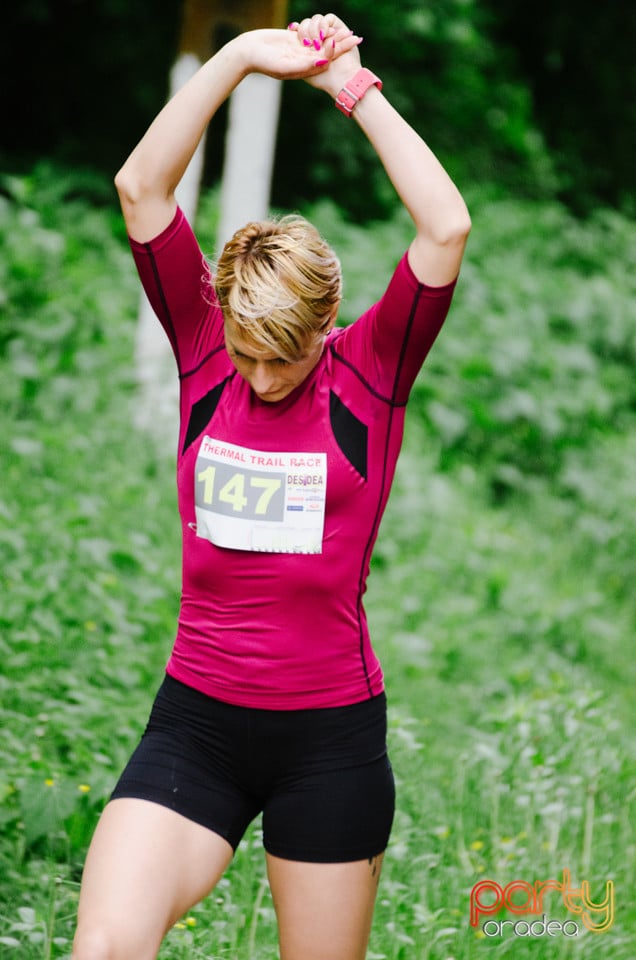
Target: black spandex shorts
x=321 y=778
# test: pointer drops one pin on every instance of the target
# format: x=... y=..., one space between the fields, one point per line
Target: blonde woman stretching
x=273 y=701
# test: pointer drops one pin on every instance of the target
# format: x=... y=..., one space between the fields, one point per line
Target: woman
x=273 y=700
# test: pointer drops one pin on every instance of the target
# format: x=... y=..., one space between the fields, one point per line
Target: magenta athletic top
x=281 y=502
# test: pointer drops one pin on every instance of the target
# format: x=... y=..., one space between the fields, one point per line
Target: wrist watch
x=355 y=89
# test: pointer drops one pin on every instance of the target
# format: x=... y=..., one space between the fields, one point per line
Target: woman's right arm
x=148 y=179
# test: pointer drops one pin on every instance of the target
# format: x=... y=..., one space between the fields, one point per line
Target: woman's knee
x=110 y=941
x=93 y=944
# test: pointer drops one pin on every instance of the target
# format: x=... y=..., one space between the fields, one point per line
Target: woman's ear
x=331 y=319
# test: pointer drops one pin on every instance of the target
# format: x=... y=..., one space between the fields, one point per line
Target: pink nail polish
x=317 y=44
x=307 y=42
x=321 y=63
x=322 y=36
x=293 y=26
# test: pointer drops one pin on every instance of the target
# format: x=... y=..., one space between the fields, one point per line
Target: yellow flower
x=179 y=926
x=477 y=845
x=84 y=788
x=191 y=921
x=49 y=782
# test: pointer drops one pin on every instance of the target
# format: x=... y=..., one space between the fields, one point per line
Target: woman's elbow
x=126 y=186
x=449 y=228
x=456 y=228
x=465 y=226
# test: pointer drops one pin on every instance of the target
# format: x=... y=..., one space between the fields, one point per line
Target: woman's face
x=270 y=377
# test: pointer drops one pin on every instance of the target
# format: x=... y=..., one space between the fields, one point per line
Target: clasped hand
x=321 y=50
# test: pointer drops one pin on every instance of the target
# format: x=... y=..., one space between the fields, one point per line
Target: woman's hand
x=309 y=51
x=338 y=46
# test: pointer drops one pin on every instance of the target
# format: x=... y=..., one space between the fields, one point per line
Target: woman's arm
x=147 y=181
x=438 y=211
x=441 y=219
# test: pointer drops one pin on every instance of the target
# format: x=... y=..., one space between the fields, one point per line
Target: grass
x=500 y=597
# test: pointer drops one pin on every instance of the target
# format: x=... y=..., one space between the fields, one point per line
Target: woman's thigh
x=334 y=798
x=146 y=866
x=324 y=910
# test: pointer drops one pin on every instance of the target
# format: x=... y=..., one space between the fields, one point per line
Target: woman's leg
x=146 y=866
x=324 y=910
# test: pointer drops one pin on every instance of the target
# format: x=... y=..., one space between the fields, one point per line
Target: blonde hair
x=277 y=281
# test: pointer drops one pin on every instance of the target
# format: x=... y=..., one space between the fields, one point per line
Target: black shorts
x=321 y=778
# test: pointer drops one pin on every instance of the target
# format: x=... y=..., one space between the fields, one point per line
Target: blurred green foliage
x=443 y=72
x=576 y=59
x=486 y=82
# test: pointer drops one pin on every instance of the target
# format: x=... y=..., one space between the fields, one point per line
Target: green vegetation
x=501 y=595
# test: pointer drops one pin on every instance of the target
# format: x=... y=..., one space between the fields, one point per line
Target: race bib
x=250 y=500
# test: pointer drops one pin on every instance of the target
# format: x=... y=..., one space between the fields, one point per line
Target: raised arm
x=147 y=181
x=440 y=216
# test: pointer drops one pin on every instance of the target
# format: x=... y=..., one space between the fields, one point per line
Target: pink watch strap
x=355 y=89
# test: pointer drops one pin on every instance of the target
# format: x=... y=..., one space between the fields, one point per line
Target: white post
x=247 y=173
x=249 y=153
x=158 y=398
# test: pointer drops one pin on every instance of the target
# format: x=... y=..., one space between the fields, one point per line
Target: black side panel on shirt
x=350 y=434
x=201 y=413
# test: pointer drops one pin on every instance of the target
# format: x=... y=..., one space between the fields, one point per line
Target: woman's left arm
x=441 y=219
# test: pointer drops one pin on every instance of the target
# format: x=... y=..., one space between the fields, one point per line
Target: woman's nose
x=262 y=378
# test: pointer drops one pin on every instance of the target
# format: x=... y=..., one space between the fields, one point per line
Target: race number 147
x=239 y=490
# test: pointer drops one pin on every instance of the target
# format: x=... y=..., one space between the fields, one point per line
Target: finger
x=317 y=28
x=305 y=28
x=334 y=21
x=342 y=33
x=317 y=23
x=308 y=35
x=344 y=45
x=330 y=54
x=324 y=27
